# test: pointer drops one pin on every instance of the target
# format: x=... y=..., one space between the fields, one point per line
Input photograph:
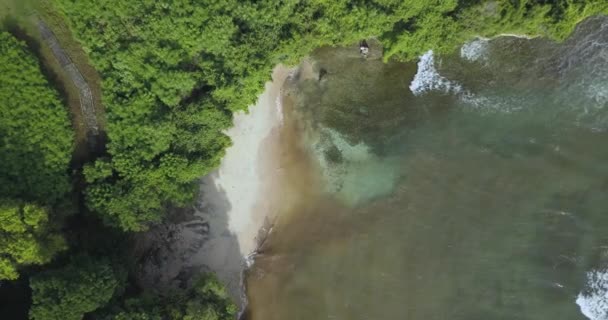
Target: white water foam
x=593 y=301
x=475 y=50
x=428 y=78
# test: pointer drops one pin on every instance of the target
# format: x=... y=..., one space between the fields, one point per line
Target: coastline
x=510 y=35
x=239 y=200
x=236 y=206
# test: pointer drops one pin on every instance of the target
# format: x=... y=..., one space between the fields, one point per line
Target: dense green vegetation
x=37 y=202
x=92 y=286
x=173 y=72
x=206 y=300
x=82 y=286
x=35 y=129
x=25 y=237
x=35 y=147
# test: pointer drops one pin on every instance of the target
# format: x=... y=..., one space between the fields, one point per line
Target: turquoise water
x=468 y=186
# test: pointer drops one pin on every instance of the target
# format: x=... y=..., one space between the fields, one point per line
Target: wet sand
x=237 y=205
x=240 y=200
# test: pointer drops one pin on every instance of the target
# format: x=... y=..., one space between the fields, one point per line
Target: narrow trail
x=87 y=105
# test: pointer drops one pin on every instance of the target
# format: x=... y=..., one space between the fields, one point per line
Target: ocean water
x=467 y=186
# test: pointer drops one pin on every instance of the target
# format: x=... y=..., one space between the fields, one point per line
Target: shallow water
x=469 y=186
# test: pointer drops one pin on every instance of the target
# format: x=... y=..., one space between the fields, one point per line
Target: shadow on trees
x=191 y=241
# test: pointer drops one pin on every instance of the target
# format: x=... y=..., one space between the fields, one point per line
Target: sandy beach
x=237 y=204
x=238 y=200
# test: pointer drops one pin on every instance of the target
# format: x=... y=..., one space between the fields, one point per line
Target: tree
x=206 y=300
x=35 y=146
x=82 y=286
x=209 y=300
x=37 y=140
x=174 y=73
x=25 y=237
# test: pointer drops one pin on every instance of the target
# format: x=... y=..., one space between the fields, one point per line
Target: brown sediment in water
x=298 y=180
x=310 y=217
x=262 y=176
x=240 y=199
x=297 y=192
x=481 y=224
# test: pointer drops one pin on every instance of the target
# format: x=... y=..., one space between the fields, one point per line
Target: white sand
x=234 y=199
x=236 y=203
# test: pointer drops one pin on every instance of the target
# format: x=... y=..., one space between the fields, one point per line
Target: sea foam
x=475 y=50
x=427 y=77
x=593 y=301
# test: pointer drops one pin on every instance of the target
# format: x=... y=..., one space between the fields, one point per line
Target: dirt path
x=87 y=105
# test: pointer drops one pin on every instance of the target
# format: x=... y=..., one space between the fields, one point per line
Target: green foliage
x=159 y=63
x=206 y=300
x=173 y=71
x=35 y=136
x=554 y=19
x=25 y=238
x=35 y=148
x=68 y=293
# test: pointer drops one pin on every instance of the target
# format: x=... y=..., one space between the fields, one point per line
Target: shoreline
x=509 y=35
x=239 y=202
x=235 y=208
x=238 y=198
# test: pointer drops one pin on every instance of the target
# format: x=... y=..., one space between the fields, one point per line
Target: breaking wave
x=577 y=68
x=593 y=301
x=428 y=78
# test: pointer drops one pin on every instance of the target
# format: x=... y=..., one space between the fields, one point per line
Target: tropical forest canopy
x=35 y=148
x=174 y=71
